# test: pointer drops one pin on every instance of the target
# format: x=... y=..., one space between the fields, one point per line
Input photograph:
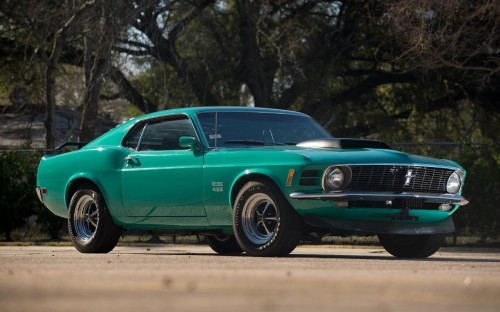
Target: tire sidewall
x=103 y=239
x=285 y=237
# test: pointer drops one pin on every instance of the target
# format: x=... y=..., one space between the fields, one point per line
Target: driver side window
x=159 y=135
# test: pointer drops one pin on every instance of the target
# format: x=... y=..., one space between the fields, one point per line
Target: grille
x=399 y=179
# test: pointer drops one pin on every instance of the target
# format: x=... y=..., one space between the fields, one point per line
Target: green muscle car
x=252 y=180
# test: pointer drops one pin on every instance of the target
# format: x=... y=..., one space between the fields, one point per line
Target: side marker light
x=289 y=179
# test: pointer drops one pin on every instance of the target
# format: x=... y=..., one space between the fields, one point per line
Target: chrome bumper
x=341 y=196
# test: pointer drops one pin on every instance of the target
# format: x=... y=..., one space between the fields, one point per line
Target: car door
x=160 y=178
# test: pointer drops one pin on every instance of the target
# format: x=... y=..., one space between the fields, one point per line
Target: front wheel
x=411 y=246
x=90 y=225
x=264 y=222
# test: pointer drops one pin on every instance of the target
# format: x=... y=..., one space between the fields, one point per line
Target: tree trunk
x=90 y=120
x=93 y=83
x=165 y=51
x=130 y=93
x=98 y=45
x=50 y=92
x=255 y=71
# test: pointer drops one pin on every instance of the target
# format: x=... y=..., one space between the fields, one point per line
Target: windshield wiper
x=257 y=142
x=245 y=142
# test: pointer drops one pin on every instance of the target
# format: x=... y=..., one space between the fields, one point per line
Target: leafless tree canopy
x=458 y=34
x=356 y=66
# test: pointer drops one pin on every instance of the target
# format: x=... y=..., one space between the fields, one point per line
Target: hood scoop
x=344 y=144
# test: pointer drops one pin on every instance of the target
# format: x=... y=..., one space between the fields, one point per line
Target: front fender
x=276 y=176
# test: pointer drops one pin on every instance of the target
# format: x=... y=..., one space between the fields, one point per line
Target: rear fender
x=113 y=202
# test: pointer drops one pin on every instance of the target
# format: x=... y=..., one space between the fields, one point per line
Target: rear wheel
x=264 y=222
x=224 y=244
x=90 y=225
x=411 y=246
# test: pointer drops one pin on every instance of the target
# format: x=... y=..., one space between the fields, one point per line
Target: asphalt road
x=193 y=278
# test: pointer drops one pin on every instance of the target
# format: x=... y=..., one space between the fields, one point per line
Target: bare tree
x=454 y=34
x=49 y=28
x=101 y=30
x=162 y=38
x=52 y=60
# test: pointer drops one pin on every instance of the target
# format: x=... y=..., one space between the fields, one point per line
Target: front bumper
x=382 y=197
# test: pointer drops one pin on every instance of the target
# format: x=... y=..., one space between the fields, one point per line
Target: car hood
x=332 y=156
x=368 y=156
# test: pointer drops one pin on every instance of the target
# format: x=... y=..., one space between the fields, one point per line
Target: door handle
x=133 y=161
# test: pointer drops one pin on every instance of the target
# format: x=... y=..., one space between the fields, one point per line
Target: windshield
x=231 y=129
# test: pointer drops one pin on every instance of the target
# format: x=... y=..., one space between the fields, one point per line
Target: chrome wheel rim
x=86 y=218
x=261 y=219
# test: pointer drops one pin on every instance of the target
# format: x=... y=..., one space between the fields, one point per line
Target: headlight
x=454 y=183
x=335 y=178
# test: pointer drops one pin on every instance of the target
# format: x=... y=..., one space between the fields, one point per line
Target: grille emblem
x=408 y=177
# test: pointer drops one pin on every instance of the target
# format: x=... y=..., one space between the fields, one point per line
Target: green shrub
x=482 y=188
x=18 y=199
x=17 y=195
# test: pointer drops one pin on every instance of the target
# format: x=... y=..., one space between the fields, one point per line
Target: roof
x=200 y=109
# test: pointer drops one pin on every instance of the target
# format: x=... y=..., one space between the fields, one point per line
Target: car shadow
x=374 y=255
x=392 y=258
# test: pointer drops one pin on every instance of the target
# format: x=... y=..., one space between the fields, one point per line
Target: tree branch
x=131 y=93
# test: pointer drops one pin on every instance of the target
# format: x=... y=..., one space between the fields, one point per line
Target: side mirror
x=189 y=142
